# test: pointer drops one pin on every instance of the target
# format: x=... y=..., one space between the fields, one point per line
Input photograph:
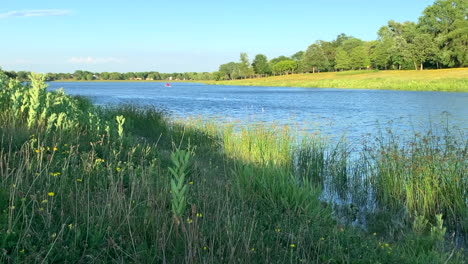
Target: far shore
x=443 y=80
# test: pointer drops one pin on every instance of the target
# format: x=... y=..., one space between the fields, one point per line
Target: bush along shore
x=84 y=184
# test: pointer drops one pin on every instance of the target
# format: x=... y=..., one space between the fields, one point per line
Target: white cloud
x=91 y=60
x=35 y=13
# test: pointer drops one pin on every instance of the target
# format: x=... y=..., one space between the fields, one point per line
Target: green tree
x=359 y=58
x=314 y=58
x=244 y=66
x=342 y=60
x=446 y=22
x=278 y=59
x=229 y=71
x=260 y=65
x=284 y=67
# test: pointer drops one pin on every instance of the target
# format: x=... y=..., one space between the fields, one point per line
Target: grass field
x=83 y=184
x=447 y=80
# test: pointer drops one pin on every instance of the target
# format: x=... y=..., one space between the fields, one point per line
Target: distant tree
x=23 y=75
x=229 y=70
x=329 y=51
x=284 y=67
x=104 y=76
x=342 y=60
x=244 y=66
x=116 y=76
x=338 y=42
x=314 y=58
x=298 y=57
x=359 y=58
x=278 y=59
x=260 y=65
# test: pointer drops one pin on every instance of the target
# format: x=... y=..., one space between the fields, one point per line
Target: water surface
x=351 y=112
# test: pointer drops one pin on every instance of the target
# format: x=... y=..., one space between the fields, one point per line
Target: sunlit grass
x=447 y=80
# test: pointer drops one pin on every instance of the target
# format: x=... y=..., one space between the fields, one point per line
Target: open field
x=83 y=184
x=447 y=80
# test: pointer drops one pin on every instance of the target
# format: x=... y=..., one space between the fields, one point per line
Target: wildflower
x=44 y=201
x=191 y=183
x=189 y=220
x=292 y=245
x=65 y=145
x=99 y=160
x=70 y=226
x=41 y=209
x=37 y=151
x=79 y=180
x=199 y=215
x=322 y=238
x=375 y=234
x=205 y=248
x=55 y=174
x=277 y=230
x=341 y=229
x=118 y=169
x=22 y=250
x=252 y=249
x=51 y=194
x=48 y=148
x=14 y=185
x=53 y=235
x=55 y=149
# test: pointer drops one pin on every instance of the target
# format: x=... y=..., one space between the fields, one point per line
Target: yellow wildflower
x=191 y=183
x=205 y=248
x=292 y=245
x=22 y=250
x=55 y=148
x=70 y=226
x=118 y=169
x=51 y=194
x=277 y=230
x=44 y=201
x=79 y=180
x=189 y=220
x=252 y=249
x=37 y=151
x=322 y=238
x=199 y=215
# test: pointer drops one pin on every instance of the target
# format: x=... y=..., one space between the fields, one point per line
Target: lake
x=352 y=113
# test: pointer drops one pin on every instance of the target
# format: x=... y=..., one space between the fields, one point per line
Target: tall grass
x=427 y=176
x=96 y=188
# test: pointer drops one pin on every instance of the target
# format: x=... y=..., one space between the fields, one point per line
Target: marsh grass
x=446 y=80
x=94 y=188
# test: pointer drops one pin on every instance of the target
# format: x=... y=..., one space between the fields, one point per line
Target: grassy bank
x=447 y=80
x=84 y=184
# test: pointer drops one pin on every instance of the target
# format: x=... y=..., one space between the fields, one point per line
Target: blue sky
x=178 y=36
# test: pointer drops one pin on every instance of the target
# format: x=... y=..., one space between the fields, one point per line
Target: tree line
x=438 y=40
